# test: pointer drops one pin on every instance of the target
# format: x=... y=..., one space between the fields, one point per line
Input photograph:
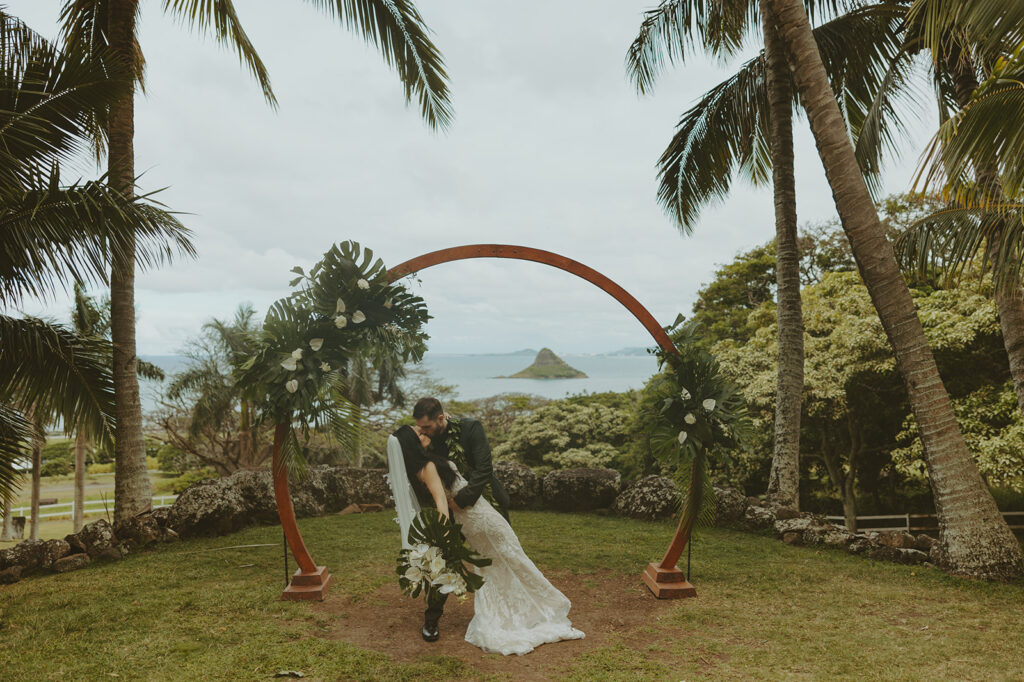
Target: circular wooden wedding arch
x=310 y=581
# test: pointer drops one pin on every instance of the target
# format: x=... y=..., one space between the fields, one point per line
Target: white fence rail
x=49 y=511
x=920 y=522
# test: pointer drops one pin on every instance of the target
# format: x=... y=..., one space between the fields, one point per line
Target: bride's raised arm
x=428 y=474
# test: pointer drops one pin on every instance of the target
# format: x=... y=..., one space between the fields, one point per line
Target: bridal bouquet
x=438 y=558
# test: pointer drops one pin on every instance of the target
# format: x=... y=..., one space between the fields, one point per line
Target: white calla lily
x=358 y=317
x=316 y=344
x=289 y=364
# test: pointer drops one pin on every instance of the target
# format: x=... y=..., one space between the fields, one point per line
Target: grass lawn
x=764 y=610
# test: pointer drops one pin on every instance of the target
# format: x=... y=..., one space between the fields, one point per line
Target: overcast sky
x=551 y=148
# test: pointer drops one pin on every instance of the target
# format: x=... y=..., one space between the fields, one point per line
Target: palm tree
x=54 y=234
x=731 y=127
x=393 y=26
x=975 y=539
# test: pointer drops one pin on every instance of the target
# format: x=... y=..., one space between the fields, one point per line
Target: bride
x=517 y=609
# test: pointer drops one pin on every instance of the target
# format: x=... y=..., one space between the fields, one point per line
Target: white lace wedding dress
x=517 y=609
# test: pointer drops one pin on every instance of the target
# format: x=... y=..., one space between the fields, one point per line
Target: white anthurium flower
x=437 y=565
x=388 y=303
x=324 y=367
x=446 y=583
x=684 y=394
x=292 y=386
x=341 y=307
x=289 y=364
x=690 y=419
x=363 y=284
x=316 y=344
x=682 y=437
x=413 y=574
x=340 y=321
x=297 y=353
x=358 y=317
x=709 y=404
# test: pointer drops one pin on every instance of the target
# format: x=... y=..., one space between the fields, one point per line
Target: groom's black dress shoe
x=430 y=632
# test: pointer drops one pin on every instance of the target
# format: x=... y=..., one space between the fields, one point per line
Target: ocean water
x=475 y=376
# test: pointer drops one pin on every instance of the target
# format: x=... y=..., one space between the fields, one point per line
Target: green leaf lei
x=457 y=454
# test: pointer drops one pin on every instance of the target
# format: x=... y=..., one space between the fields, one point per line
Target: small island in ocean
x=547 y=366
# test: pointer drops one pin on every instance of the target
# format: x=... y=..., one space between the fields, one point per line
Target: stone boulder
x=139 y=531
x=652 y=497
x=33 y=555
x=896 y=538
x=220 y=506
x=521 y=484
x=838 y=538
x=730 y=506
x=898 y=554
x=97 y=537
x=575 y=490
x=758 y=518
x=71 y=562
x=10 y=575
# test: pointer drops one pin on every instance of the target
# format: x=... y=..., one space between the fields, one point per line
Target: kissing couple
x=445 y=462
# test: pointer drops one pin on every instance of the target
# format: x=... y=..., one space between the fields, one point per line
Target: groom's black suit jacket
x=478 y=460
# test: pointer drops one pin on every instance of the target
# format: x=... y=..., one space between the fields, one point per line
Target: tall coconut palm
x=54 y=233
x=393 y=26
x=730 y=129
x=974 y=537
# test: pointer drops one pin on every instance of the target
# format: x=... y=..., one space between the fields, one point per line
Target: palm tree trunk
x=131 y=482
x=784 y=482
x=1008 y=295
x=38 y=440
x=974 y=537
x=5 y=531
x=77 y=515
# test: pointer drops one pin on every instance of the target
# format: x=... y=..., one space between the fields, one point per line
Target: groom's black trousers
x=436 y=600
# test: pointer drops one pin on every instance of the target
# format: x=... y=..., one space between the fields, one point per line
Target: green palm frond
x=15 y=434
x=397 y=30
x=51 y=235
x=220 y=17
x=944 y=244
x=57 y=374
x=727 y=129
x=987 y=133
x=988 y=25
x=677 y=27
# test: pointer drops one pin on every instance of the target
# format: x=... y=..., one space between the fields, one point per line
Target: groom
x=463 y=441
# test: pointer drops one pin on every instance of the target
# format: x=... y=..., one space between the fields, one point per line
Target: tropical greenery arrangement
x=697 y=413
x=438 y=558
x=343 y=309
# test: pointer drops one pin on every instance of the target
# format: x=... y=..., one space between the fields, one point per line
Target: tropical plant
x=438 y=558
x=974 y=538
x=55 y=234
x=107 y=30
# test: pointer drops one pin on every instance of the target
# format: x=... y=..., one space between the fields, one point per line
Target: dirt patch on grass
x=609 y=607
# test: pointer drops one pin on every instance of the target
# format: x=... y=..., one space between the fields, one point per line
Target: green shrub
x=105 y=468
x=190 y=478
x=171 y=459
x=579 y=431
x=56 y=467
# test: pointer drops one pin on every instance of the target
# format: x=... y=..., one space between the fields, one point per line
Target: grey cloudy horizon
x=551 y=148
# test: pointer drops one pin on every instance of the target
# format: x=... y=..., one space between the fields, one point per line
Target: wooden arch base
x=310 y=581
